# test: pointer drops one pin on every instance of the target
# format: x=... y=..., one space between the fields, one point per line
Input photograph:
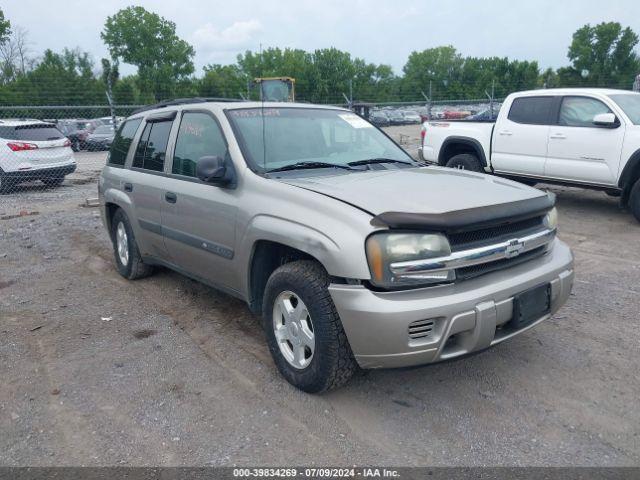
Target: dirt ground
x=97 y=370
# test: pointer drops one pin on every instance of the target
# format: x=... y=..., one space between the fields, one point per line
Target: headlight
x=383 y=249
x=551 y=219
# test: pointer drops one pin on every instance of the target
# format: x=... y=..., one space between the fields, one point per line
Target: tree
x=225 y=81
x=5 y=27
x=602 y=55
x=149 y=41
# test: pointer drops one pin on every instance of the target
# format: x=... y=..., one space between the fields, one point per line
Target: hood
x=430 y=192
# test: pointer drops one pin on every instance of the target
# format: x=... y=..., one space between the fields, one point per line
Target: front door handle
x=170 y=197
x=559 y=136
x=128 y=187
x=505 y=132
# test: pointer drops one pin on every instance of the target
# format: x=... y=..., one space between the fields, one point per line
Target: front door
x=579 y=150
x=199 y=219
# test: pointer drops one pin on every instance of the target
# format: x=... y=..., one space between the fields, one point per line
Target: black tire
x=634 y=200
x=613 y=193
x=75 y=145
x=53 y=182
x=135 y=268
x=7 y=185
x=332 y=363
x=465 y=161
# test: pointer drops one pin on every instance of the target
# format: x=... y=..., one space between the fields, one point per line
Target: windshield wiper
x=370 y=161
x=304 y=165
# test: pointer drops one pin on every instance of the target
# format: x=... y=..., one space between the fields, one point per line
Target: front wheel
x=634 y=200
x=465 y=161
x=53 y=182
x=303 y=329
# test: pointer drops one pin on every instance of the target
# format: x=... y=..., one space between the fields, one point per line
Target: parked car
x=395 y=117
x=455 y=114
x=583 y=137
x=487 y=115
x=379 y=119
x=410 y=117
x=101 y=138
x=33 y=150
x=77 y=131
x=353 y=253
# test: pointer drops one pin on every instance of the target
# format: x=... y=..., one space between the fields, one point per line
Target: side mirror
x=606 y=120
x=211 y=169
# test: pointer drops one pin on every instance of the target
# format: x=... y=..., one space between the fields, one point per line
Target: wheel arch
x=456 y=145
x=266 y=257
x=630 y=174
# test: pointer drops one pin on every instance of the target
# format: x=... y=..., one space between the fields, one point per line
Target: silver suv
x=352 y=253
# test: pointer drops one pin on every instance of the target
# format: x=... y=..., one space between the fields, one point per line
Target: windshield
x=630 y=104
x=293 y=135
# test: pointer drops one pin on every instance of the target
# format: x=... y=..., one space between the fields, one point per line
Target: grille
x=421 y=328
x=486 y=236
x=477 y=270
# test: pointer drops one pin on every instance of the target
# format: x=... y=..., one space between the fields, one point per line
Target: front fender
x=341 y=259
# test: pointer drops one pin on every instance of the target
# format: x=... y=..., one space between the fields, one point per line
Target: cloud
x=208 y=39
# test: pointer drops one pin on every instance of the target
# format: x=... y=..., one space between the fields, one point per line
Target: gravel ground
x=164 y=371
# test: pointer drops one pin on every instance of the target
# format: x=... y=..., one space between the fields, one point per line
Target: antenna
x=264 y=136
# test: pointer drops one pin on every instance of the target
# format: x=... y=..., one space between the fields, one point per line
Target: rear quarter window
x=532 y=110
x=122 y=142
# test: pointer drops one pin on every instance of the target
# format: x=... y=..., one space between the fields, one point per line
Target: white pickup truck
x=581 y=137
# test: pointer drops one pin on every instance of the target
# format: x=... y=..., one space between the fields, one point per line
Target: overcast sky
x=378 y=31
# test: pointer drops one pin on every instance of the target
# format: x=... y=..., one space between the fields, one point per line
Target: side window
x=579 y=111
x=152 y=147
x=199 y=135
x=122 y=142
x=531 y=110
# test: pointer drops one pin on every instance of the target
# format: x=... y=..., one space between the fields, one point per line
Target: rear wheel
x=128 y=259
x=53 y=182
x=304 y=332
x=634 y=200
x=6 y=184
x=75 y=145
x=465 y=161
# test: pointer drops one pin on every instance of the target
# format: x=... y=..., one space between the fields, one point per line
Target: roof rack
x=185 y=101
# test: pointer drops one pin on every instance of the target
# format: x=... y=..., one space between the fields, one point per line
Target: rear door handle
x=128 y=187
x=170 y=197
x=505 y=132
x=558 y=136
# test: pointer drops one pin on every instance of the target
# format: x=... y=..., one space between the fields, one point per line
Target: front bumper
x=468 y=316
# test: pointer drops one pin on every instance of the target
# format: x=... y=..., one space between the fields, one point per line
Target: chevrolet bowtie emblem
x=514 y=249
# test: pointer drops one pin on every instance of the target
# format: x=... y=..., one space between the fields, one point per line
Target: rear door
x=199 y=219
x=520 y=138
x=147 y=182
x=579 y=150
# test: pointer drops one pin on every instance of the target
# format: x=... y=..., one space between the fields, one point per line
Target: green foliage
x=59 y=79
x=5 y=28
x=450 y=75
x=225 y=81
x=148 y=41
x=602 y=55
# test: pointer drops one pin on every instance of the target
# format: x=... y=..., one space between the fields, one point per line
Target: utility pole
x=350 y=92
x=110 y=94
x=491 y=96
x=428 y=99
